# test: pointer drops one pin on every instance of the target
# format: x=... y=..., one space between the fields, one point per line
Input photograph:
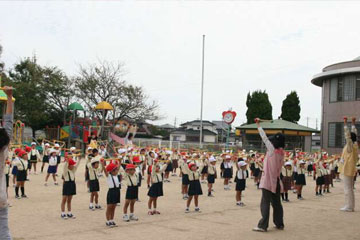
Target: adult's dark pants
x=274 y=199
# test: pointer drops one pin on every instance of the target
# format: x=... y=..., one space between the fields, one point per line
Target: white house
x=190 y=132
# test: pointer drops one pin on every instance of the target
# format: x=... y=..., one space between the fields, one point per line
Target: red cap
x=136 y=159
x=71 y=162
x=183 y=153
x=191 y=165
x=28 y=149
x=21 y=153
x=130 y=166
x=111 y=167
x=17 y=150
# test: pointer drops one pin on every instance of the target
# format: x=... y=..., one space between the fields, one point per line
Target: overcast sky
x=272 y=46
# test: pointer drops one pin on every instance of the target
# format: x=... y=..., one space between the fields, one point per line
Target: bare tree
x=104 y=82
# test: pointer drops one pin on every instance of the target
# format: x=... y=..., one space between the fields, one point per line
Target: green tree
x=290 y=110
x=258 y=105
x=30 y=106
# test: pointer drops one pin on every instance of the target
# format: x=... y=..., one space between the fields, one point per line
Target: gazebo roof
x=76 y=106
x=280 y=125
x=104 y=106
x=3 y=96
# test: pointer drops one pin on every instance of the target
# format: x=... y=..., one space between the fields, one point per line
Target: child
x=143 y=162
x=310 y=167
x=34 y=156
x=138 y=165
x=156 y=189
x=22 y=166
x=257 y=172
x=175 y=161
x=300 y=179
x=286 y=176
x=113 y=194
x=150 y=160
x=45 y=153
x=240 y=180
x=319 y=179
x=227 y=174
x=94 y=186
x=132 y=191
x=184 y=178
x=14 y=167
x=7 y=173
x=211 y=174
x=327 y=176
x=204 y=171
x=69 y=187
x=194 y=186
x=52 y=169
x=169 y=168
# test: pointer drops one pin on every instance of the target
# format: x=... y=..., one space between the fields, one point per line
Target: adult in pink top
x=270 y=180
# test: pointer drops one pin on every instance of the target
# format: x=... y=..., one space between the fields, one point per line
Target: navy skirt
x=169 y=168
x=156 y=190
x=185 y=179
x=46 y=159
x=94 y=185
x=69 y=188
x=195 y=188
x=211 y=178
x=320 y=181
x=14 y=170
x=113 y=196
x=21 y=176
x=132 y=192
x=240 y=184
x=204 y=170
x=310 y=168
x=300 y=179
x=256 y=172
x=227 y=173
x=52 y=169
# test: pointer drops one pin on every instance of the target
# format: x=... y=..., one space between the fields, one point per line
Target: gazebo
x=296 y=136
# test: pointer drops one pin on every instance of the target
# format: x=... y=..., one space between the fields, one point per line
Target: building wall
x=334 y=112
x=178 y=137
x=209 y=139
x=307 y=143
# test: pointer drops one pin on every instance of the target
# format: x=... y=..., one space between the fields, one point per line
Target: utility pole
x=202 y=92
x=307 y=121
x=175 y=123
x=316 y=124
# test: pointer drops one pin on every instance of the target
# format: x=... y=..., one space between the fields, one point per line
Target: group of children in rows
x=128 y=165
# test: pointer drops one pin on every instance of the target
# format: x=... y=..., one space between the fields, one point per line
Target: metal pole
x=202 y=92
x=227 y=137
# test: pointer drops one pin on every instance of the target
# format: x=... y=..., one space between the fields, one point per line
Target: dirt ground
x=38 y=217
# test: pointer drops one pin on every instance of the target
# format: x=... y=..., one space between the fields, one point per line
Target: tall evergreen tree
x=290 y=110
x=258 y=105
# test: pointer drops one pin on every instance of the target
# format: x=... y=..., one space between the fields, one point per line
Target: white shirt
x=111 y=179
x=241 y=174
x=52 y=161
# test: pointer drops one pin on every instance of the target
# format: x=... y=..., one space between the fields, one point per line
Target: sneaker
x=98 y=207
x=92 y=208
x=56 y=183
x=187 y=210
x=133 y=218
x=45 y=184
x=71 y=216
x=210 y=195
x=150 y=213
x=257 y=229
x=126 y=218
x=286 y=200
x=197 y=210
x=238 y=204
x=108 y=224
x=345 y=209
x=301 y=198
x=242 y=204
x=156 y=212
x=17 y=197
x=64 y=216
x=113 y=224
x=24 y=196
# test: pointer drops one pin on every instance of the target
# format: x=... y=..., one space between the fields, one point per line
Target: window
x=333 y=89
x=349 y=87
x=340 y=89
x=358 y=87
x=336 y=134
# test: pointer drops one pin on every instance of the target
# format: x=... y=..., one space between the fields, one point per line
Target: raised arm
x=264 y=138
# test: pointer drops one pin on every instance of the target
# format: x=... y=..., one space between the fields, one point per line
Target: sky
x=250 y=45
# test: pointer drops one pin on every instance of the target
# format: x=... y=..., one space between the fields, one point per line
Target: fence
x=158 y=143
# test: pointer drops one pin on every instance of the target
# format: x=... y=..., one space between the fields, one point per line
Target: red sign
x=229 y=116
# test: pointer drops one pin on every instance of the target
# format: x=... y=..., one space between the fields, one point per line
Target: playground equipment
x=103 y=107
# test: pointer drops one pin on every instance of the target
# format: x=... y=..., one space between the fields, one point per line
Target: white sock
x=131 y=214
x=62 y=213
x=69 y=213
x=239 y=202
x=91 y=205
